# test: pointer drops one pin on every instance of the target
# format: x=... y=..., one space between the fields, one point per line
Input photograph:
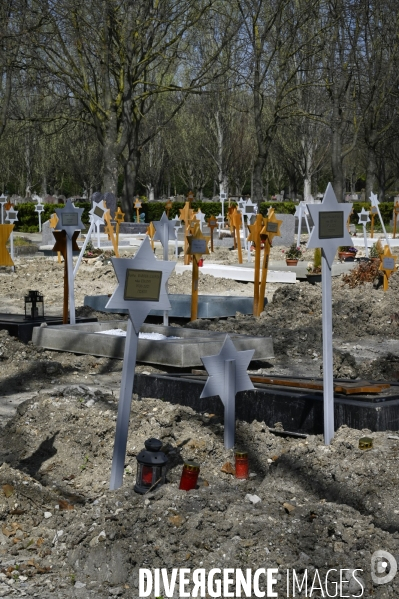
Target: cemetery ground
x=306 y=509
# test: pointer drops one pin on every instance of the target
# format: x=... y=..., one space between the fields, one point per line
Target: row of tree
x=234 y=96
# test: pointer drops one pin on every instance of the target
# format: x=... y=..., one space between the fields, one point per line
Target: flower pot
x=314 y=277
x=346 y=256
x=291 y=261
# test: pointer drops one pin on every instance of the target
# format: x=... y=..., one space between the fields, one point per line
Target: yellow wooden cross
x=236 y=219
x=53 y=221
x=151 y=232
x=270 y=230
x=109 y=229
x=119 y=217
x=5 y=258
x=254 y=237
x=185 y=215
x=212 y=224
x=168 y=206
x=373 y=212
x=387 y=265
x=197 y=246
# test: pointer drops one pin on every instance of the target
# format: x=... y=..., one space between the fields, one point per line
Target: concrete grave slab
x=209 y=306
x=186 y=351
x=287 y=230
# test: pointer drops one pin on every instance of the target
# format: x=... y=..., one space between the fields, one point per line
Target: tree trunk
x=110 y=158
x=336 y=165
x=307 y=189
x=130 y=169
x=257 y=192
x=371 y=171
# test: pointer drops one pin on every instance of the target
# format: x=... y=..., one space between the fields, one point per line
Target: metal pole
x=229 y=401
x=82 y=251
x=366 y=249
x=124 y=407
x=165 y=239
x=72 y=319
x=328 y=383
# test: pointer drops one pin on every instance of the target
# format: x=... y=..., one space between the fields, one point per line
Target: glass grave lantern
x=34 y=305
x=151 y=467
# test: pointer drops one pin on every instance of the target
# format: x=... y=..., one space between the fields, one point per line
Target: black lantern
x=34 y=305
x=151 y=467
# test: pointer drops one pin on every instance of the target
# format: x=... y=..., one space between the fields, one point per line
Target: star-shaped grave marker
x=141 y=287
x=141 y=284
x=12 y=215
x=97 y=212
x=228 y=375
x=69 y=218
x=329 y=231
x=387 y=266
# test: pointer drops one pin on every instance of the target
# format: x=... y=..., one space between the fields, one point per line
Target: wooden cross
x=387 y=266
x=109 y=229
x=373 y=212
x=168 y=207
x=151 y=232
x=236 y=219
x=5 y=258
x=254 y=236
x=53 y=221
x=190 y=197
x=197 y=246
x=119 y=217
x=270 y=230
x=212 y=224
x=60 y=247
x=186 y=215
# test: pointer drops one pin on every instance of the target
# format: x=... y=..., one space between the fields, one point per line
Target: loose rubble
x=306 y=507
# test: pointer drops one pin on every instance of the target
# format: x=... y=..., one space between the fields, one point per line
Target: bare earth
x=64 y=534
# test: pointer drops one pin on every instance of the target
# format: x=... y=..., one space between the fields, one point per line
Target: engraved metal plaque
x=12 y=216
x=271 y=227
x=69 y=219
x=331 y=225
x=142 y=285
x=249 y=209
x=39 y=208
x=388 y=264
x=212 y=223
x=98 y=211
x=198 y=246
x=363 y=217
x=374 y=210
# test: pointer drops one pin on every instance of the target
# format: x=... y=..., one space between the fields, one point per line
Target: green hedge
x=28 y=219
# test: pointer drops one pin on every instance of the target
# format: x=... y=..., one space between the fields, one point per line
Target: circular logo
x=383 y=567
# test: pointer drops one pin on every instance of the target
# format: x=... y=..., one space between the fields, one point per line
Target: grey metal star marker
x=11 y=215
x=363 y=216
x=227 y=375
x=69 y=218
x=329 y=231
x=97 y=212
x=141 y=291
x=164 y=230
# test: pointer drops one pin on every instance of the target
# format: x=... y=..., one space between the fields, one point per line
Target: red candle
x=146 y=475
x=242 y=464
x=189 y=476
